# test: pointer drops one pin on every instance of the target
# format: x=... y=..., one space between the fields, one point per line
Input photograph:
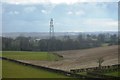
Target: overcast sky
x=68 y=15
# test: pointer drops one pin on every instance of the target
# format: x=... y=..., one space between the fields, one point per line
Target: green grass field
x=14 y=70
x=116 y=73
x=0 y=68
x=85 y=73
x=24 y=55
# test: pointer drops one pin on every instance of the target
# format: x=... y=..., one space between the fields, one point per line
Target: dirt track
x=82 y=58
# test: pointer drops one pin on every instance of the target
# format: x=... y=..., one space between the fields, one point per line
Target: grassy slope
x=0 y=68
x=116 y=73
x=113 y=73
x=24 y=55
x=0 y=65
x=13 y=70
x=85 y=73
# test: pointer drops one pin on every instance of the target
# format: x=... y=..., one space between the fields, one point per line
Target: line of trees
x=81 y=42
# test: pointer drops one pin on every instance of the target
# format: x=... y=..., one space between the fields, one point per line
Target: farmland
x=0 y=68
x=72 y=59
x=24 y=55
x=13 y=70
x=77 y=59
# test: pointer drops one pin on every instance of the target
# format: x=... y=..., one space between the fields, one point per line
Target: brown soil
x=76 y=59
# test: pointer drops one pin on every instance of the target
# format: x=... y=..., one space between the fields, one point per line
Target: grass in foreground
x=116 y=73
x=14 y=70
x=26 y=55
x=0 y=68
x=85 y=74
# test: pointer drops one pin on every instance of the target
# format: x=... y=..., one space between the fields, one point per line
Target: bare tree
x=100 y=60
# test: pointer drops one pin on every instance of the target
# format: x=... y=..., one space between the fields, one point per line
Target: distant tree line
x=54 y=44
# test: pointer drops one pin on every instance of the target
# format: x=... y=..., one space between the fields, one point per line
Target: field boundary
x=66 y=73
x=96 y=71
x=103 y=69
x=102 y=75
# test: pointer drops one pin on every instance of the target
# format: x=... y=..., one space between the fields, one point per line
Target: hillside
x=88 y=57
x=82 y=58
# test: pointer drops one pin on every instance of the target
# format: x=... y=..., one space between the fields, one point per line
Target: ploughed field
x=88 y=57
x=77 y=59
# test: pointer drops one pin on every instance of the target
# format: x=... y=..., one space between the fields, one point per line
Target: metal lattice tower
x=50 y=38
x=51 y=28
